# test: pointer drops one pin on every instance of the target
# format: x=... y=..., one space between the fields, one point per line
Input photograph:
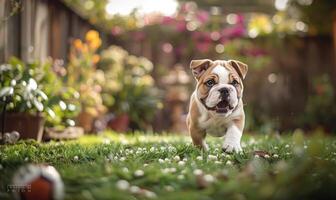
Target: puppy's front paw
x=230 y=147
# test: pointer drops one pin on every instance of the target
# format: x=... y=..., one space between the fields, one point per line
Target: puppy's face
x=219 y=84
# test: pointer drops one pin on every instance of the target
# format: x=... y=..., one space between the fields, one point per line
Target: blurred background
x=124 y=64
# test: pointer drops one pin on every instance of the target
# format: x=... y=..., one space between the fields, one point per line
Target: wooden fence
x=39 y=29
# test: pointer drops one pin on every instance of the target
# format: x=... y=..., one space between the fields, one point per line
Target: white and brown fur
x=204 y=117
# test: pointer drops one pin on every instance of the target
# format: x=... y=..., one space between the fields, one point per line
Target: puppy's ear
x=240 y=67
x=198 y=67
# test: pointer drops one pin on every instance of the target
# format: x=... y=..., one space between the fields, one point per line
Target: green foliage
x=19 y=85
x=295 y=167
x=319 y=111
x=63 y=105
x=129 y=87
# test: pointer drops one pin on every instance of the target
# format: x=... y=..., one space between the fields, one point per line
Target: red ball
x=41 y=182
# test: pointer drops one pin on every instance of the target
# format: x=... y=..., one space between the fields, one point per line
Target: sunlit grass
x=128 y=166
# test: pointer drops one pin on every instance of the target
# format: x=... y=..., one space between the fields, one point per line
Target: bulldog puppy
x=216 y=105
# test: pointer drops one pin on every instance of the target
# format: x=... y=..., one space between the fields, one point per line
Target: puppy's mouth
x=223 y=107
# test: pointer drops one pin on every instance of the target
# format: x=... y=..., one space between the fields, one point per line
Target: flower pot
x=85 y=120
x=120 y=123
x=64 y=134
x=29 y=126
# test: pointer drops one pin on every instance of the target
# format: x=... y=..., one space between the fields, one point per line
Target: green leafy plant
x=319 y=111
x=129 y=87
x=19 y=84
x=63 y=103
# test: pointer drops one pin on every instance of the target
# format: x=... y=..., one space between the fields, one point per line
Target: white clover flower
x=125 y=170
x=167 y=160
x=139 y=173
x=122 y=185
x=197 y=172
x=218 y=162
x=185 y=159
x=209 y=178
x=152 y=149
x=106 y=141
x=276 y=156
x=243 y=144
x=75 y=158
x=163 y=148
x=123 y=142
x=199 y=158
x=173 y=169
x=27 y=159
x=122 y=159
x=276 y=147
x=161 y=160
x=177 y=158
x=181 y=163
x=150 y=194
x=134 y=189
x=180 y=177
x=267 y=156
x=145 y=165
x=252 y=141
x=256 y=156
x=287 y=146
x=212 y=157
x=171 y=149
x=169 y=188
x=228 y=162
x=305 y=146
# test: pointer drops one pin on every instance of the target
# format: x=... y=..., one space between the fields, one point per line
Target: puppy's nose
x=224 y=92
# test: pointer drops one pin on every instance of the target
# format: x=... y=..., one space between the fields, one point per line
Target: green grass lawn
x=138 y=166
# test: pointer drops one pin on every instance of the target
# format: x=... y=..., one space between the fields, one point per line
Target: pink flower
x=116 y=30
x=180 y=26
x=234 y=32
x=203 y=47
x=202 y=16
x=240 y=18
x=166 y=20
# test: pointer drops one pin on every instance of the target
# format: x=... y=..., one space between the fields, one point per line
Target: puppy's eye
x=210 y=83
x=234 y=82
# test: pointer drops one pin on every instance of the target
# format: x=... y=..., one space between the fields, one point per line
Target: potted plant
x=86 y=79
x=129 y=90
x=25 y=99
x=62 y=106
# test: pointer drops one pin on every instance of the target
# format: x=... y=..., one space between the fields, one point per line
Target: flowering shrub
x=129 y=87
x=83 y=75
